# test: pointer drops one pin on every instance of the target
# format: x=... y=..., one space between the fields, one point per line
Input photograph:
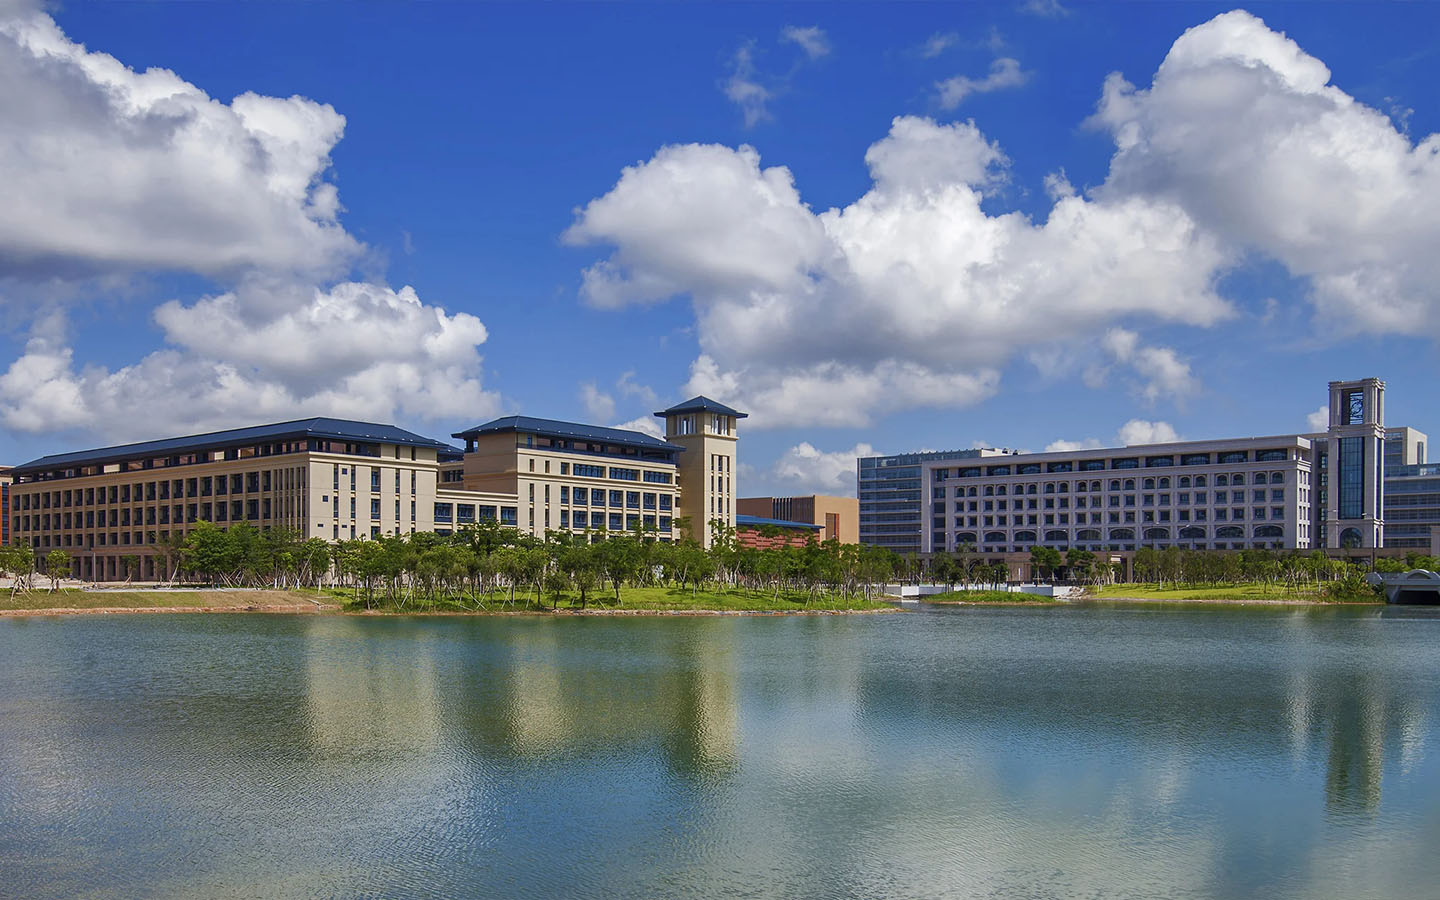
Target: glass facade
x=1352 y=477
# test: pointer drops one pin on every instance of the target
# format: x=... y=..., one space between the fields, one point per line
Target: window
x=588 y=471
x=619 y=474
x=375 y=508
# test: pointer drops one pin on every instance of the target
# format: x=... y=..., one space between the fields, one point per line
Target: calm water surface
x=1035 y=752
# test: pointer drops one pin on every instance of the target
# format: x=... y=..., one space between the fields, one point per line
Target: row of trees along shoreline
x=486 y=558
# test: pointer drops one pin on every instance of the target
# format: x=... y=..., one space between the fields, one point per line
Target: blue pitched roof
x=702 y=404
x=333 y=429
x=757 y=521
x=571 y=430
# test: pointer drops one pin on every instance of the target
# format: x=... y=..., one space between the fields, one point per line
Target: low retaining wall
x=921 y=591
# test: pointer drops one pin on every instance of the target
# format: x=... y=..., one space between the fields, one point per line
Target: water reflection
x=1038 y=752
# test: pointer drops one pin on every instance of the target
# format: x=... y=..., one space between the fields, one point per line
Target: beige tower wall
x=706 y=470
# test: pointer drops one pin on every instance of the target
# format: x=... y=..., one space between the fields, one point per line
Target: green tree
x=1081 y=564
x=57 y=566
x=1043 y=562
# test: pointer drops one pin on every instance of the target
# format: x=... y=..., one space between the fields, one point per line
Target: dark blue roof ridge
x=781 y=523
x=318 y=426
x=701 y=403
x=559 y=428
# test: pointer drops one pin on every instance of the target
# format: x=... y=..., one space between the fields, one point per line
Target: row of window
x=1200 y=498
x=1116 y=485
x=179 y=488
x=1229 y=457
x=1257 y=514
x=469 y=513
x=234 y=510
x=614 y=521
x=615 y=473
x=1193 y=532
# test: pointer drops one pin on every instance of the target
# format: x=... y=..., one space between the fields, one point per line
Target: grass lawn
x=633 y=598
x=1228 y=593
x=72 y=598
x=987 y=597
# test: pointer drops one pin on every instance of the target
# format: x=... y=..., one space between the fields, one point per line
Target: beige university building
x=338 y=479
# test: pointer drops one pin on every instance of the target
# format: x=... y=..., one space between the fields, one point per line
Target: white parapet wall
x=915 y=592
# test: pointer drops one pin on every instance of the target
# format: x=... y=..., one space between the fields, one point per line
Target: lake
x=1075 y=751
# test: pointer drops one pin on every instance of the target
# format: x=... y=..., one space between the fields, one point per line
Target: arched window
x=994 y=537
x=1222 y=481
x=1056 y=537
x=1269 y=531
x=1050 y=487
x=1149 y=484
x=1350 y=538
x=971 y=492
x=1122 y=534
x=1157 y=534
x=1089 y=534
x=1115 y=485
x=1277 y=477
x=1199 y=481
x=1129 y=484
x=1237 y=478
x=1026 y=537
x=1184 y=481
x=965 y=537
x=1229 y=531
x=1030 y=489
x=1164 y=484
x=1192 y=532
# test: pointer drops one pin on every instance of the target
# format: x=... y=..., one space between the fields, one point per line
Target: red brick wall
x=750 y=537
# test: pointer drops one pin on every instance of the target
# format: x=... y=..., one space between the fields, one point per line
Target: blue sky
x=949 y=228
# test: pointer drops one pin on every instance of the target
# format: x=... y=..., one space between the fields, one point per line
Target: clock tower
x=1354 y=503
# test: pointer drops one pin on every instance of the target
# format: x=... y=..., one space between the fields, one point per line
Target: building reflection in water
x=372 y=686
x=527 y=690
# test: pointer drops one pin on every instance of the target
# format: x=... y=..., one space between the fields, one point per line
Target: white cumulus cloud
x=599 y=406
x=1139 y=431
x=1243 y=129
x=1319 y=420
x=910 y=296
x=1161 y=371
x=938 y=43
x=106 y=168
x=744 y=89
x=645 y=425
x=1065 y=446
x=1240 y=148
x=1005 y=72
x=810 y=38
x=110 y=173
x=804 y=469
x=355 y=351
